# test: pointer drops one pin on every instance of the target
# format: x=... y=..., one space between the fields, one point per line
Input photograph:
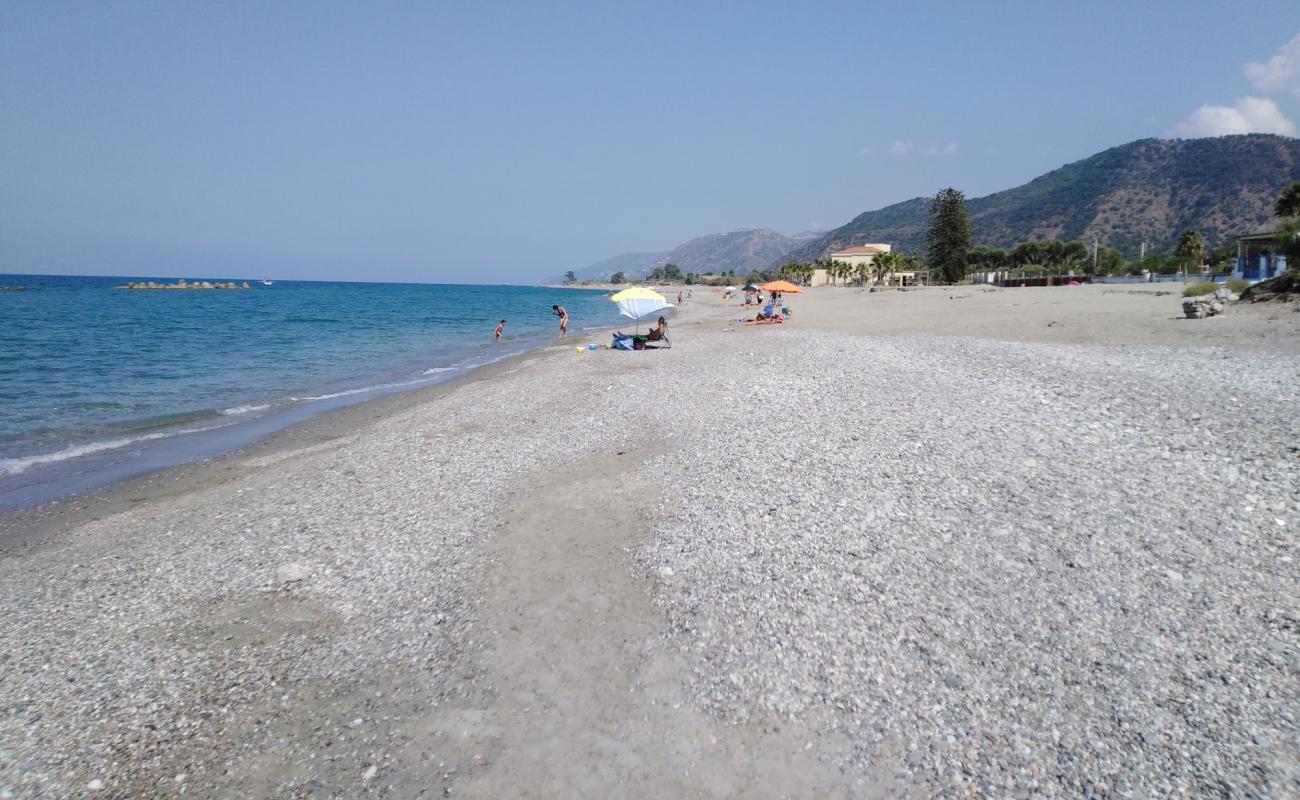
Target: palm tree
x=1191 y=247
x=1288 y=236
x=883 y=265
x=1288 y=202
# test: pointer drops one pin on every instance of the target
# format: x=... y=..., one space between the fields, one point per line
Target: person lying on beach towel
x=775 y=319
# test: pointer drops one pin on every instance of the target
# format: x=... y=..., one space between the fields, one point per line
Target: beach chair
x=646 y=343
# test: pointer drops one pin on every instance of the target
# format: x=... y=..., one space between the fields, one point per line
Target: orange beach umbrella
x=780 y=286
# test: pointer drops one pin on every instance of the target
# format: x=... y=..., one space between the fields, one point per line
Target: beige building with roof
x=863 y=254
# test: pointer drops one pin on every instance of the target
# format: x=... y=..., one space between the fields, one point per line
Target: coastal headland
x=952 y=541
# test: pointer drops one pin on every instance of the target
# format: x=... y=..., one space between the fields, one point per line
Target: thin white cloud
x=900 y=148
x=942 y=150
x=1248 y=115
x=867 y=151
x=1281 y=73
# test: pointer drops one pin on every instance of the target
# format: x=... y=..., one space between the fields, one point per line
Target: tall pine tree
x=948 y=234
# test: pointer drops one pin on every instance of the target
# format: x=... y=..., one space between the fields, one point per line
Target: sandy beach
x=943 y=542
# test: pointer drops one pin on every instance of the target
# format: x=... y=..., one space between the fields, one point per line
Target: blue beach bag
x=623 y=343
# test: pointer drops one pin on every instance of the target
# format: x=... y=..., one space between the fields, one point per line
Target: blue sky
x=502 y=142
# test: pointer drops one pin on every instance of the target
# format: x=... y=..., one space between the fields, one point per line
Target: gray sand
x=801 y=561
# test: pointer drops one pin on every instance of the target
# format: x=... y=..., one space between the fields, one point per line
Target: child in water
x=501 y=329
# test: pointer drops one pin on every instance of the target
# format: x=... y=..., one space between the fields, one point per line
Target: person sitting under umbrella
x=659 y=333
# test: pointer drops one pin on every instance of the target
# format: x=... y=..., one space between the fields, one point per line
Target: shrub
x=1198 y=289
x=1237 y=285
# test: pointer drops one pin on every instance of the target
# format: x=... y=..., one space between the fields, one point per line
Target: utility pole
x=1094 y=256
x=1143 y=252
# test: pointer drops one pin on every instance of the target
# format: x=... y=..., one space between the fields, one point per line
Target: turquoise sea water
x=98 y=383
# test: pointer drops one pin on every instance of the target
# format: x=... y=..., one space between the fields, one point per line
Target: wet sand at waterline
x=992 y=542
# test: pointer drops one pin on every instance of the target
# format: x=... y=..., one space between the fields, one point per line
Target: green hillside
x=1149 y=190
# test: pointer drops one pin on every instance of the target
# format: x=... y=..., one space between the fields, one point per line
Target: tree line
x=950 y=250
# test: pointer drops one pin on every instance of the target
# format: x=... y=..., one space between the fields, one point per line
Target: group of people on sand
x=770 y=314
x=757 y=298
x=657 y=333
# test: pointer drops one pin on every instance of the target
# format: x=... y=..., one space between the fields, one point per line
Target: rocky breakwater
x=183 y=284
x=1208 y=305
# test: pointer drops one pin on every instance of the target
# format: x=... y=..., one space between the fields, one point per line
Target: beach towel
x=623 y=343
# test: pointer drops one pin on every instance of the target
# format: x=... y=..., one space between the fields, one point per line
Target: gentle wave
x=13 y=466
x=436 y=370
x=362 y=390
x=237 y=410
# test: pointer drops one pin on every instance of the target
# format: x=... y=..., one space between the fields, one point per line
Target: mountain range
x=1148 y=191
x=741 y=250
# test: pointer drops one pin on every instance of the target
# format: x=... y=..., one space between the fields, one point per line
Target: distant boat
x=265 y=282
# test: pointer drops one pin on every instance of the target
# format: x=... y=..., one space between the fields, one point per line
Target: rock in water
x=292 y=572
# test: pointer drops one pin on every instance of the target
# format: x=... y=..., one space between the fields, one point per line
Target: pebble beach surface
x=930 y=565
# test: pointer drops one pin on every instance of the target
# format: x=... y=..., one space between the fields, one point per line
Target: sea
x=98 y=384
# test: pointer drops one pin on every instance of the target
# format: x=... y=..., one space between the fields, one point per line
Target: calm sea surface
x=98 y=383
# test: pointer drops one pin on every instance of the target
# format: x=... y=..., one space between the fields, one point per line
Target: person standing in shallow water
x=501 y=328
x=564 y=319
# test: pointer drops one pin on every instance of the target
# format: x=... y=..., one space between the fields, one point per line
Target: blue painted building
x=1258 y=258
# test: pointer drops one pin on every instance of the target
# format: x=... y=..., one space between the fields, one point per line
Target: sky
x=495 y=142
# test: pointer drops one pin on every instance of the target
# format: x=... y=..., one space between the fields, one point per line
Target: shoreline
x=30 y=525
x=96 y=418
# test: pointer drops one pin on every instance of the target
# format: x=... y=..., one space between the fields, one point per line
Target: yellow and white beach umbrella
x=640 y=302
